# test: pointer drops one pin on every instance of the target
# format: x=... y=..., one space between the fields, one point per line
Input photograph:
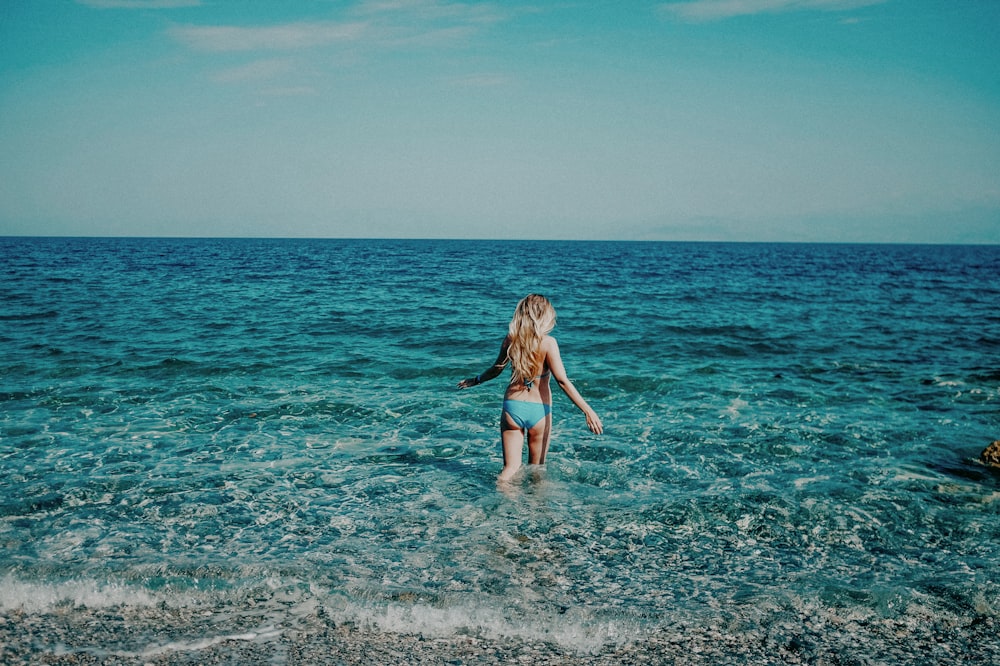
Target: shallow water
x=264 y=428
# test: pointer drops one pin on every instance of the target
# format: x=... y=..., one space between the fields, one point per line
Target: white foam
x=735 y=407
x=569 y=630
x=172 y=647
x=263 y=634
x=36 y=597
x=806 y=480
x=573 y=629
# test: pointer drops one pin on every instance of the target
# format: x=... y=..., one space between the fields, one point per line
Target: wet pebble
x=82 y=637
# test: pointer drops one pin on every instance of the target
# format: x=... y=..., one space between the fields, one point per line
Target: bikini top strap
x=530 y=383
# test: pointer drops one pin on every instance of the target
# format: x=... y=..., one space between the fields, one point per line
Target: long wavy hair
x=533 y=319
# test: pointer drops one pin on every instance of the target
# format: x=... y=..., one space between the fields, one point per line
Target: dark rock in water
x=991 y=454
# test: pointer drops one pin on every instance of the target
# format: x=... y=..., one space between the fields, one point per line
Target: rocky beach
x=122 y=637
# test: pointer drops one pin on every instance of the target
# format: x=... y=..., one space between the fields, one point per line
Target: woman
x=527 y=405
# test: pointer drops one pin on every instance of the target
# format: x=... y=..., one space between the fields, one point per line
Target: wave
x=47 y=597
x=288 y=603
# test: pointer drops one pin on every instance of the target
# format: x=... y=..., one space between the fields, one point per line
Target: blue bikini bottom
x=525 y=414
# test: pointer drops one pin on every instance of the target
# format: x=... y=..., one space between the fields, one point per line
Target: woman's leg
x=512 y=441
x=538 y=441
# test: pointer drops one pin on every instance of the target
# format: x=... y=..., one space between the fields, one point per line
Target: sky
x=717 y=120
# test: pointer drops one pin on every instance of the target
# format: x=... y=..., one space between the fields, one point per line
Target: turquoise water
x=265 y=428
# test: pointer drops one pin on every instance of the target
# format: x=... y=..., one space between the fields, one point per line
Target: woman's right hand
x=594 y=422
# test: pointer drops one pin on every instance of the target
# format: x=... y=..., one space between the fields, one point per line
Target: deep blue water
x=268 y=427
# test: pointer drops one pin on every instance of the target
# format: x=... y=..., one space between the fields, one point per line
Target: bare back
x=536 y=387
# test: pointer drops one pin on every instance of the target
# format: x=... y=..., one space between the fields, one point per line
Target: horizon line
x=504 y=240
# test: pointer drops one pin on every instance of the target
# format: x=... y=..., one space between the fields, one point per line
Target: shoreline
x=81 y=637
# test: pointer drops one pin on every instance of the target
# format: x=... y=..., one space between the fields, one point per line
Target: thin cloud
x=715 y=10
x=139 y=4
x=434 y=10
x=380 y=23
x=427 y=23
x=286 y=37
x=259 y=70
x=430 y=37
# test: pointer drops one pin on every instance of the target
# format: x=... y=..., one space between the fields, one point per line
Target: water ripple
x=786 y=425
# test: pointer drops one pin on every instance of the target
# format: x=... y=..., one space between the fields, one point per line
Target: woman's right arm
x=554 y=361
x=493 y=371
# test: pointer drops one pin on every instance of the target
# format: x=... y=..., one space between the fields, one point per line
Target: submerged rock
x=991 y=454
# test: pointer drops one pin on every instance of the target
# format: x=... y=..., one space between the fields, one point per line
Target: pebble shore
x=82 y=637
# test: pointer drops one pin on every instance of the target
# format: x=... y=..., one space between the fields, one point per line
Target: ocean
x=205 y=442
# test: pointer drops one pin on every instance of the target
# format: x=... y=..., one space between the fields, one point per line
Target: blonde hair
x=533 y=319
